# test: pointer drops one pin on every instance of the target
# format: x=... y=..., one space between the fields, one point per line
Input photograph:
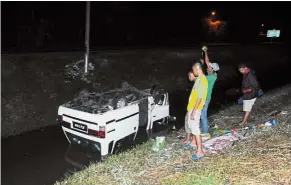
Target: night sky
x=137 y=23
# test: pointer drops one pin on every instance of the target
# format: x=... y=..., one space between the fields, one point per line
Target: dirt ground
x=34 y=85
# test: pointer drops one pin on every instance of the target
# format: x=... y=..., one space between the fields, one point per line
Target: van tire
x=119 y=101
x=157 y=93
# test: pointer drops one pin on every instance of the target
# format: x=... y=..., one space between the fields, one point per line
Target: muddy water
x=44 y=156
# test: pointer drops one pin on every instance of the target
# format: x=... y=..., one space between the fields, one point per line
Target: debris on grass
x=159 y=144
x=219 y=144
x=76 y=69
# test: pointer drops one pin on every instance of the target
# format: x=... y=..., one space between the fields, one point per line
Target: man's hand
x=204 y=48
x=193 y=114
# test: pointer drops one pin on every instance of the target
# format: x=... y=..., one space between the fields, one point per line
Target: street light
x=213 y=13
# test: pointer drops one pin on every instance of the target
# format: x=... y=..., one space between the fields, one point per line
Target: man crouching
x=195 y=105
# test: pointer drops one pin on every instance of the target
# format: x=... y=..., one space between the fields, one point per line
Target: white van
x=101 y=120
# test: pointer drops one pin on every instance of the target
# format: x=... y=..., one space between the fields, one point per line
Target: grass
x=263 y=164
x=264 y=158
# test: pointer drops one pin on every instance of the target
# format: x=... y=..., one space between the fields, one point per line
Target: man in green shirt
x=212 y=68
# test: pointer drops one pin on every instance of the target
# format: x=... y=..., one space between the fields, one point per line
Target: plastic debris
x=269 y=123
x=217 y=132
x=260 y=93
x=240 y=101
x=160 y=144
x=284 y=112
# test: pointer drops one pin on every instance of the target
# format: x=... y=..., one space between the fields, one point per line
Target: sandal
x=195 y=157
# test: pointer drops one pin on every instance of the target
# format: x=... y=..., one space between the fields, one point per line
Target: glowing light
x=213 y=13
x=213 y=24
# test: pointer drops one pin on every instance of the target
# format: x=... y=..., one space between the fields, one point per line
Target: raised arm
x=206 y=59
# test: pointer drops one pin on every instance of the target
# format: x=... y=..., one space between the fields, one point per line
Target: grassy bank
x=263 y=158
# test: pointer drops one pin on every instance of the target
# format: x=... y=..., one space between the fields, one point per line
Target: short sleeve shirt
x=199 y=90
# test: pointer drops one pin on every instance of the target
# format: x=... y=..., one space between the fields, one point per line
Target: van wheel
x=157 y=93
x=124 y=144
x=119 y=101
x=118 y=146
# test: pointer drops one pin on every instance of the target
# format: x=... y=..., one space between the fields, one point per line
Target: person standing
x=195 y=105
x=187 y=140
x=250 y=88
x=211 y=76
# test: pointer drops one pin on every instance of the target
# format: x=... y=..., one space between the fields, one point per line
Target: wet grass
x=264 y=158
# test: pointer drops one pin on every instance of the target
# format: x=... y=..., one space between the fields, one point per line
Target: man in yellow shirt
x=195 y=105
x=186 y=141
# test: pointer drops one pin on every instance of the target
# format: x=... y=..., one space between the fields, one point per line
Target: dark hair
x=241 y=66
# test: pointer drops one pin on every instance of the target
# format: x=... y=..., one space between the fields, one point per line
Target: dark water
x=44 y=156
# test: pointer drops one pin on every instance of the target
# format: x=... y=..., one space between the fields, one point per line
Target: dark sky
x=141 y=22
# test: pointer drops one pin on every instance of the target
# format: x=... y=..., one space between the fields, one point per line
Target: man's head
x=191 y=76
x=213 y=67
x=243 y=68
x=197 y=69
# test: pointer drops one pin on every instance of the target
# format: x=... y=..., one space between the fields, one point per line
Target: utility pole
x=87 y=36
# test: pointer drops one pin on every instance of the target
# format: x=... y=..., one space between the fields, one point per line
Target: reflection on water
x=80 y=157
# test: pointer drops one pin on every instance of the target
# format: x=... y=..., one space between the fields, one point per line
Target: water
x=44 y=156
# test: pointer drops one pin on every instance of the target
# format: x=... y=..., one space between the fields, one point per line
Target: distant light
x=213 y=13
x=262 y=24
